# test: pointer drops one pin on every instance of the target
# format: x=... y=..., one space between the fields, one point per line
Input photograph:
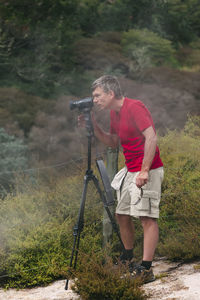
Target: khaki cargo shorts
x=134 y=201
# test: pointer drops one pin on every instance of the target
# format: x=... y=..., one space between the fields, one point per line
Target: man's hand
x=142 y=178
x=81 y=120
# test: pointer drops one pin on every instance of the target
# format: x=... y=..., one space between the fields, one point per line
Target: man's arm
x=149 y=153
x=107 y=138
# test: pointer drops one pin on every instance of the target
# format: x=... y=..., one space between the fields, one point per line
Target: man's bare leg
x=127 y=230
x=151 y=235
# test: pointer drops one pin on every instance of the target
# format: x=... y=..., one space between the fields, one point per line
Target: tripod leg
x=78 y=227
x=114 y=225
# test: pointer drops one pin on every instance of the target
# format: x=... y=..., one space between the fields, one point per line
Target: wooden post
x=112 y=168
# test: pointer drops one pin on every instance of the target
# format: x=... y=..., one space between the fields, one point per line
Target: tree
x=13 y=158
x=181 y=20
x=36 y=44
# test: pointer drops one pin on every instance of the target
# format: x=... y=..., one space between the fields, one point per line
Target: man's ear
x=112 y=94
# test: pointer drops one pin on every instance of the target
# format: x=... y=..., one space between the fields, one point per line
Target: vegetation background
x=50 y=52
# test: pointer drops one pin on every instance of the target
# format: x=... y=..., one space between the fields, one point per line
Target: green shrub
x=189 y=56
x=22 y=108
x=147 y=49
x=98 y=279
x=180 y=206
x=37 y=231
x=13 y=158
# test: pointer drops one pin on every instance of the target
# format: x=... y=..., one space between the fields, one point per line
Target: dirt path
x=175 y=282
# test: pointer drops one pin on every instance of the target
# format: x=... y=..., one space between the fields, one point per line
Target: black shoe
x=124 y=259
x=141 y=273
x=129 y=263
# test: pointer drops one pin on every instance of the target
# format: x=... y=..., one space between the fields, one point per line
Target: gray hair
x=108 y=83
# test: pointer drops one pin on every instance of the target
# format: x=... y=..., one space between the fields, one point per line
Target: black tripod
x=108 y=200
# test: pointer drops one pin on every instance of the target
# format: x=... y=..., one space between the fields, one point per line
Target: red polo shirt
x=129 y=124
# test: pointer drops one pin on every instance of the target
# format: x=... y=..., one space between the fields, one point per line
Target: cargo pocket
x=148 y=202
x=119 y=178
x=136 y=194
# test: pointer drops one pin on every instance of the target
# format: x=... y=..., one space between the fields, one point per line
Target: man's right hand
x=108 y=139
x=81 y=120
x=142 y=178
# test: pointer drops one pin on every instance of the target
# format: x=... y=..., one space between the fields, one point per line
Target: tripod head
x=88 y=122
x=84 y=106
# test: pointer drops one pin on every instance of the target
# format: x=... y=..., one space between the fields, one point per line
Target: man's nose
x=95 y=100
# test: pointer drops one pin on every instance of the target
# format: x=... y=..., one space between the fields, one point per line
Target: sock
x=127 y=254
x=147 y=264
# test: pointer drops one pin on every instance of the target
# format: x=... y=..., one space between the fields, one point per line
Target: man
x=138 y=184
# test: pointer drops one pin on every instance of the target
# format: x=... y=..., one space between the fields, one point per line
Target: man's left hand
x=142 y=178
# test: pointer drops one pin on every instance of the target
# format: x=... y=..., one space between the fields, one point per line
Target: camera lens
x=82 y=104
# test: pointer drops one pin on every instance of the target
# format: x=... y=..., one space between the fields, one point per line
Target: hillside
x=50 y=53
x=169 y=94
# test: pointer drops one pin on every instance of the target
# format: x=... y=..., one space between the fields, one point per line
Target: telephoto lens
x=81 y=104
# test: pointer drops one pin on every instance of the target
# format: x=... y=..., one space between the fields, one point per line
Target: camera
x=82 y=104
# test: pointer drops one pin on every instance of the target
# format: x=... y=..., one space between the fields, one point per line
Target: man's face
x=102 y=99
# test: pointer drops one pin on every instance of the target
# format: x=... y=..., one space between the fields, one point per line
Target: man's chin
x=100 y=108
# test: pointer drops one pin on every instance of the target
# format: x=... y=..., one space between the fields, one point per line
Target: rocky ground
x=175 y=281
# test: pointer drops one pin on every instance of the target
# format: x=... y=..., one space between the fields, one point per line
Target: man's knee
x=123 y=218
x=146 y=221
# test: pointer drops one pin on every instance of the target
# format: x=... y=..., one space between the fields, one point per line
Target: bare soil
x=174 y=281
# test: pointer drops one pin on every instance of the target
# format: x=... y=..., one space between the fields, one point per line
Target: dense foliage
x=99 y=279
x=38 y=39
x=52 y=48
x=36 y=230
x=180 y=225
x=13 y=158
x=147 y=49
